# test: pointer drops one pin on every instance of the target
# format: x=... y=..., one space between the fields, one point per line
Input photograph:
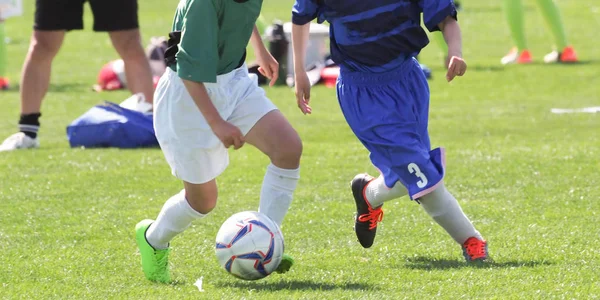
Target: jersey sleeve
x=198 y=57
x=304 y=11
x=435 y=11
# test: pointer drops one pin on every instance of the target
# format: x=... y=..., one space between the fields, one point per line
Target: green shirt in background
x=214 y=36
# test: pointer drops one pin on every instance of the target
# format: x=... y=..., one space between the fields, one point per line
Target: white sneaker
x=511 y=57
x=552 y=57
x=138 y=103
x=19 y=141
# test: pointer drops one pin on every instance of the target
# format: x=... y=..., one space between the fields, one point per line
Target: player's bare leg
x=137 y=69
x=37 y=68
x=275 y=137
x=35 y=80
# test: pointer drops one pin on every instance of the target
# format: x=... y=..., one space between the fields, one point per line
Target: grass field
x=528 y=179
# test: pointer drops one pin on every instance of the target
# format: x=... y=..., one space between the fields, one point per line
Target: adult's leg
x=137 y=68
x=35 y=77
x=52 y=20
x=123 y=27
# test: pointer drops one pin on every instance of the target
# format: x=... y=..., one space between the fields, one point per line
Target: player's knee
x=288 y=152
x=201 y=201
x=44 y=46
x=128 y=44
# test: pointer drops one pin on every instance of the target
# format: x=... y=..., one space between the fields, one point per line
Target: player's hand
x=268 y=66
x=302 y=89
x=456 y=67
x=229 y=134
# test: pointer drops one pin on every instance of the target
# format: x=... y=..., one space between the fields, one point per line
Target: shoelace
x=374 y=216
x=163 y=261
x=475 y=249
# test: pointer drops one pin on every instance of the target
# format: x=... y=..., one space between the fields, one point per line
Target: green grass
x=527 y=178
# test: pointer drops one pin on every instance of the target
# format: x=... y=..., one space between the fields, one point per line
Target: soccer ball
x=249 y=245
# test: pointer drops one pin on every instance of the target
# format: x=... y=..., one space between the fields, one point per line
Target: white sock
x=446 y=211
x=377 y=192
x=175 y=217
x=277 y=192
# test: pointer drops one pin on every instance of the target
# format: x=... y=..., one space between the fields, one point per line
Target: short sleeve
x=304 y=11
x=198 y=57
x=435 y=11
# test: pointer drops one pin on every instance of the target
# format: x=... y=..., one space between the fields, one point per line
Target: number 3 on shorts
x=414 y=169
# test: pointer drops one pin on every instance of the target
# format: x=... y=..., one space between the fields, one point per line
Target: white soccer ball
x=249 y=245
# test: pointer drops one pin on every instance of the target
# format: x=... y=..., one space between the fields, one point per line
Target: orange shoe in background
x=568 y=55
x=514 y=56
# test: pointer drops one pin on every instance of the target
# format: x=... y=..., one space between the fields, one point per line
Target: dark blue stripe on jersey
x=346 y=8
x=390 y=20
x=372 y=54
x=374 y=35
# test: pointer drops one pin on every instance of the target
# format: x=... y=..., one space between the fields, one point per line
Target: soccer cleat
x=475 y=249
x=155 y=263
x=19 y=140
x=568 y=55
x=285 y=265
x=4 y=85
x=367 y=218
x=514 y=56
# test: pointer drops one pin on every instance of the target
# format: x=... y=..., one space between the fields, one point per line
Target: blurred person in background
x=520 y=54
x=8 y=8
x=53 y=19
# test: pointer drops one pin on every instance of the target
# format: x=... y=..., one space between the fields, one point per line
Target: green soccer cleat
x=285 y=265
x=155 y=263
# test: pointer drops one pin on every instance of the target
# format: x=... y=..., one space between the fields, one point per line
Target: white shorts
x=10 y=8
x=192 y=150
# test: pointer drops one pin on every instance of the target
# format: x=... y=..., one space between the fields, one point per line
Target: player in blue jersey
x=384 y=97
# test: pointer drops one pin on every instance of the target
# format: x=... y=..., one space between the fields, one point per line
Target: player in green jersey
x=205 y=103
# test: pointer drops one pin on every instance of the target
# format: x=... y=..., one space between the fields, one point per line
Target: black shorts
x=109 y=15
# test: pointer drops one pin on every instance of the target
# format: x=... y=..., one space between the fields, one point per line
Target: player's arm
x=198 y=92
x=456 y=64
x=197 y=61
x=268 y=65
x=300 y=35
x=452 y=35
x=303 y=12
x=441 y=15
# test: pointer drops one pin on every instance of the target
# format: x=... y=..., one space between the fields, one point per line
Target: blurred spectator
x=520 y=53
x=52 y=21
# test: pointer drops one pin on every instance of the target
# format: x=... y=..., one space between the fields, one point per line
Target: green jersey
x=214 y=36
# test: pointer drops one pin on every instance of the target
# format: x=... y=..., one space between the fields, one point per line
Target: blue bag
x=110 y=125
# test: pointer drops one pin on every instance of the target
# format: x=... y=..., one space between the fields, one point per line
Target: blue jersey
x=374 y=35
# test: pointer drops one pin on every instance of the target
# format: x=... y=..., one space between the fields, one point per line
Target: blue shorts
x=389 y=113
